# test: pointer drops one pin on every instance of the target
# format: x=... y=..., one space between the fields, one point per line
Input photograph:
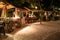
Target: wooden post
x=40 y=18
x=46 y=15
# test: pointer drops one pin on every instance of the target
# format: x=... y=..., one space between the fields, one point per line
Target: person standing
x=23 y=20
x=27 y=19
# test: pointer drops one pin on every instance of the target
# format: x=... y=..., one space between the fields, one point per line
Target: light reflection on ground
x=27 y=30
x=24 y=32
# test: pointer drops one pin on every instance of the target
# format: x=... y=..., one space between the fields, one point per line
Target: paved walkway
x=37 y=31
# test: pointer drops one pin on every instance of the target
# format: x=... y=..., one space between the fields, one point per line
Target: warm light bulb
x=35 y=7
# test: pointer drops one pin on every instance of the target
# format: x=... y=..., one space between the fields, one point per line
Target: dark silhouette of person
x=2 y=25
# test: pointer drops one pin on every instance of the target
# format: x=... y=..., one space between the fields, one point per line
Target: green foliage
x=10 y=12
x=37 y=14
